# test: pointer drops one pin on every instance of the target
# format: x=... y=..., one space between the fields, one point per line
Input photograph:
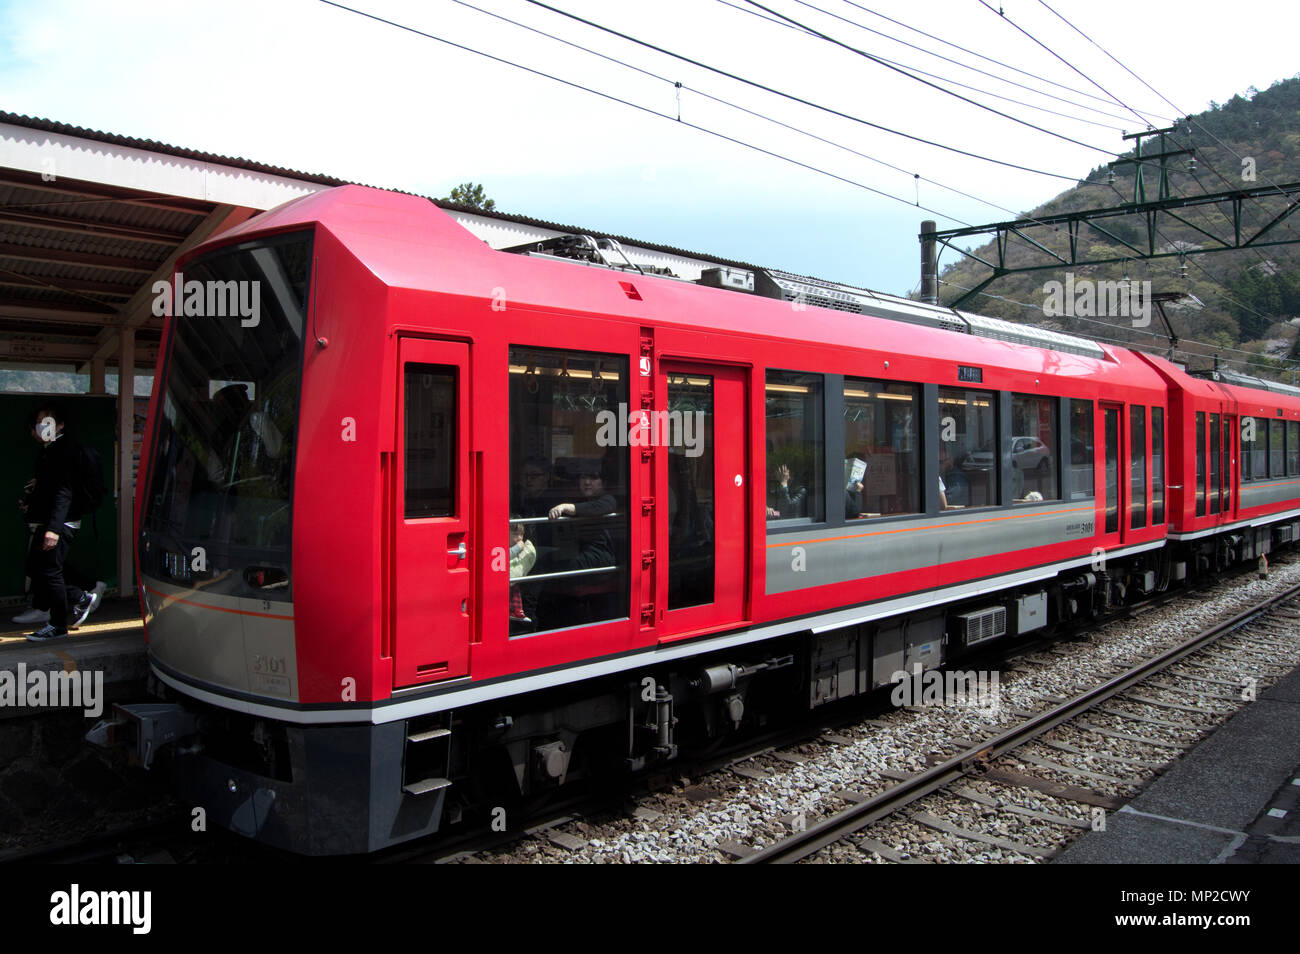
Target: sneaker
x=46 y=632
x=85 y=606
x=33 y=615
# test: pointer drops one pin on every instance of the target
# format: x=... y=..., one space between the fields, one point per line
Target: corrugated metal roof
x=240 y=163
x=166 y=149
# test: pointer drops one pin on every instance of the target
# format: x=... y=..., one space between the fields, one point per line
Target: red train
x=443 y=528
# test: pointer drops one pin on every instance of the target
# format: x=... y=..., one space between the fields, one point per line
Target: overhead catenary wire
x=727 y=103
x=973 y=69
x=794 y=98
x=781 y=23
x=1001 y=15
x=990 y=59
x=645 y=109
x=965 y=99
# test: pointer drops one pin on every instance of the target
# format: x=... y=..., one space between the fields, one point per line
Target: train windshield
x=221 y=474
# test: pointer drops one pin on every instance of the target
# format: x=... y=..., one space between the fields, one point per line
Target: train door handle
x=456 y=554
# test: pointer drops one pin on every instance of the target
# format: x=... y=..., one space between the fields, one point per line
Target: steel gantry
x=1240 y=238
x=1244 y=235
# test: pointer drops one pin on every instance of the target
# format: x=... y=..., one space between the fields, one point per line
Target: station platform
x=111 y=641
x=1233 y=799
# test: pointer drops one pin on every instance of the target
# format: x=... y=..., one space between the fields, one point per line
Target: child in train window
x=522 y=557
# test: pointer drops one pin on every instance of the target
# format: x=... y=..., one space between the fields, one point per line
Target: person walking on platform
x=51 y=516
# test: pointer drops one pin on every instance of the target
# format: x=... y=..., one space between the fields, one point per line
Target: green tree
x=472 y=195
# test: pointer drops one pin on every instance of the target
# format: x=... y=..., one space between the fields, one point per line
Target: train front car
x=257 y=553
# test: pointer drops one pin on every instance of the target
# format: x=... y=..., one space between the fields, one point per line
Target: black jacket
x=50 y=503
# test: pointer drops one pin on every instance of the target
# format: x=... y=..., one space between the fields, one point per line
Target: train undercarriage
x=357 y=788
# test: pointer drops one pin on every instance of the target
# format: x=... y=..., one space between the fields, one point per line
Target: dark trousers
x=45 y=567
x=71 y=574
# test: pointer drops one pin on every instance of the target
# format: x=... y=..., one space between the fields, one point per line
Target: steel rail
x=802 y=844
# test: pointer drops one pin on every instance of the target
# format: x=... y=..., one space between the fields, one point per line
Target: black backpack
x=87 y=482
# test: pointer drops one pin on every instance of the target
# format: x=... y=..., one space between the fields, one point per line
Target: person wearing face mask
x=53 y=524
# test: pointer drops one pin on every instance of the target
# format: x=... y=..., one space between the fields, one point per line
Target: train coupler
x=142 y=730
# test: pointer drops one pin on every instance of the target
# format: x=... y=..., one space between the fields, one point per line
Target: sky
x=313 y=87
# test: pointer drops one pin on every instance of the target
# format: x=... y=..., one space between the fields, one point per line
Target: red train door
x=702 y=470
x=429 y=604
x=1113 y=510
x=1230 y=467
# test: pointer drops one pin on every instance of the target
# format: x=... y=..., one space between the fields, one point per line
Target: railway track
x=1040 y=782
x=1205 y=696
x=751 y=800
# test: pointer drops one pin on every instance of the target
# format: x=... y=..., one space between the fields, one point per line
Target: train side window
x=430 y=395
x=1259 y=450
x=1137 y=471
x=882 y=473
x=796 y=448
x=1276 y=449
x=1293 y=448
x=1033 y=448
x=1247 y=447
x=1200 y=463
x=568 y=482
x=1157 y=466
x=968 y=435
x=1082 y=453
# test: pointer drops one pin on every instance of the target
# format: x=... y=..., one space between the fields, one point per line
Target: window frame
x=835 y=411
x=608 y=363
x=1053 y=446
x=1000 y=408
x=1276 y=427
x=832 y=440
x=1138 y=459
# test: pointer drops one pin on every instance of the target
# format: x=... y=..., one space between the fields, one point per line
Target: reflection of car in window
x=1027 y=453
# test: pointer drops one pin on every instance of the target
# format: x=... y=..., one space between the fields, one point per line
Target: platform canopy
x=89 y=221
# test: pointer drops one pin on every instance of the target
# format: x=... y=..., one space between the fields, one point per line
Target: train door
x=701 y=514
x=1112 y=459
x=1216 y=457
x=1229 y=470
x=1137 y=463
x=429 y=601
